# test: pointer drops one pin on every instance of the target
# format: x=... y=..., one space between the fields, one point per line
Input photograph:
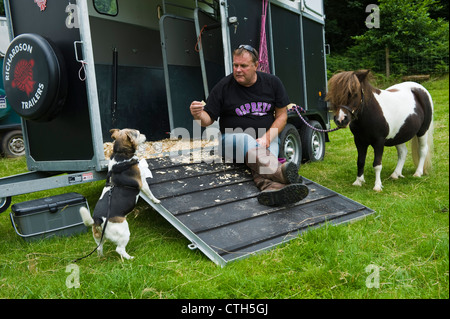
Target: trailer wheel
x=291 y=144
x=13 y=144
x=4 y=203
x=313 y=142
x=34 y=77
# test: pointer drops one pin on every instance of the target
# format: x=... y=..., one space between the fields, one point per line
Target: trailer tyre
x=34 y=77
x=291 y=144
x=313 y=142
x=13 y=144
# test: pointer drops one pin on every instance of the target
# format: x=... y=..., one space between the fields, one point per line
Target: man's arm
x=199 y=114
x=276 y=128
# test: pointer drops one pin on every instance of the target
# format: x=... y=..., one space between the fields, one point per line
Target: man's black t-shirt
x=243 y=107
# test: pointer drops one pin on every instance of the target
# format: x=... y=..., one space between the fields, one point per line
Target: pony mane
x=344 y=86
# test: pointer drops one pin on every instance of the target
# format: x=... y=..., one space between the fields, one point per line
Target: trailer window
x=108 y=7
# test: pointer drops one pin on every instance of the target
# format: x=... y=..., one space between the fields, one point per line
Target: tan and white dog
x=125 y=180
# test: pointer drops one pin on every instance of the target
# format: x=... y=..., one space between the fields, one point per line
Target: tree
x=406 y=29
x=344 y=19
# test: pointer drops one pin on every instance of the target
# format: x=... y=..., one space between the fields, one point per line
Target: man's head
x=245 y=64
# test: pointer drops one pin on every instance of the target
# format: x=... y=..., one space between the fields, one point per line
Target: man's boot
x=277 y=194
x=262 y=161
x=278 y=182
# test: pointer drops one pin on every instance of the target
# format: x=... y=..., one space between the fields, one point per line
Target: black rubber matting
x=215 y=204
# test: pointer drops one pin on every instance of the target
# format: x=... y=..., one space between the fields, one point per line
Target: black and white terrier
x=125 y=180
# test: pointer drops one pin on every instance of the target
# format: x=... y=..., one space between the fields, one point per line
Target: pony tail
x=416 y=152
x=426 y=101
x=427 y=166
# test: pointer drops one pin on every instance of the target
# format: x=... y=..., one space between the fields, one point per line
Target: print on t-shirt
x=254 y=108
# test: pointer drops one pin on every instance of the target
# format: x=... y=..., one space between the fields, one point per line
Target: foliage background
x=416 y=33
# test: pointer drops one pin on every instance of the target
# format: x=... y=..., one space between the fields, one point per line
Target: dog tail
x=86 y=216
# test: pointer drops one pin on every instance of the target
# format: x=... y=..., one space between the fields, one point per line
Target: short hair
x=247 y=48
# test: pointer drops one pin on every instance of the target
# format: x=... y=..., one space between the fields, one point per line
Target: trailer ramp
x=214 y=205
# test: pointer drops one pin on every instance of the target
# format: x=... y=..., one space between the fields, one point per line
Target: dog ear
x=132 y=135
x=114 y=132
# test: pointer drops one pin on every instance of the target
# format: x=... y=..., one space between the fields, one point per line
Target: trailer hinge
x=192 y=246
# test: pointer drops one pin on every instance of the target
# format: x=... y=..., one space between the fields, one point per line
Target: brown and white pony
x=382 y=118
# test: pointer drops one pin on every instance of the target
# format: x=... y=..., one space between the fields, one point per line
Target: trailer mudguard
x=5 y=108
x=34 y=77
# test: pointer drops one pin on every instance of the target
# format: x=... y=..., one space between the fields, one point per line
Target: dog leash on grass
x=299 y=109
x=104 y=227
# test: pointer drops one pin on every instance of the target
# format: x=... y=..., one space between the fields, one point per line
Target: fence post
x=388 y=71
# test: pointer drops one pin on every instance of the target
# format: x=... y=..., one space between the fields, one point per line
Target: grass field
x=401 y=251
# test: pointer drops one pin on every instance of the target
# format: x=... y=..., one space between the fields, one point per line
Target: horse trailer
x=76 y=69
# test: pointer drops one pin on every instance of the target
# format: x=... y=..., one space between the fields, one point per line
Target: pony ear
x=362 y=75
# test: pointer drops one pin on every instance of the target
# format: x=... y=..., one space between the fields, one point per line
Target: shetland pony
x=382 y=118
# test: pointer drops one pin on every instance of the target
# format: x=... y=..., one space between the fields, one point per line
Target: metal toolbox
x=51 y=216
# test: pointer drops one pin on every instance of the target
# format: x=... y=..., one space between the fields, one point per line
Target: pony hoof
x=417 y=175
x=378 y=188
x=358 y=183
x=128 y=257
x=396 y=176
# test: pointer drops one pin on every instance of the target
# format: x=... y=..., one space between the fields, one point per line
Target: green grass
x=407 y=239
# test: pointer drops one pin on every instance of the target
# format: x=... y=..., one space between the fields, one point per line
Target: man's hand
x=199 y=114
x=277 y=126
x=263 y=141
x=196 y=109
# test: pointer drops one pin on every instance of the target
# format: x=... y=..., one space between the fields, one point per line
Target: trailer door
x=181 y=69
x=315 y=72
x=210 y=48
x=287 y=51
x=65 y=141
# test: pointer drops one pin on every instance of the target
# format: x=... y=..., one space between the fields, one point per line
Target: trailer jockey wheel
x=34 y=77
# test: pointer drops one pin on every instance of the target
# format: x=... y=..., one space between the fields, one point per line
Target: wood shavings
x=183 y=149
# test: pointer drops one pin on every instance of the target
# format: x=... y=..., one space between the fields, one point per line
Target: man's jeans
x=236 y=145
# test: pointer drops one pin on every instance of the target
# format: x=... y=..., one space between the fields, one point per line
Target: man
x=252 y=107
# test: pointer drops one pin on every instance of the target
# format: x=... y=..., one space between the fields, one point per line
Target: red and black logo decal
x=23 y=76
x=42 y=4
